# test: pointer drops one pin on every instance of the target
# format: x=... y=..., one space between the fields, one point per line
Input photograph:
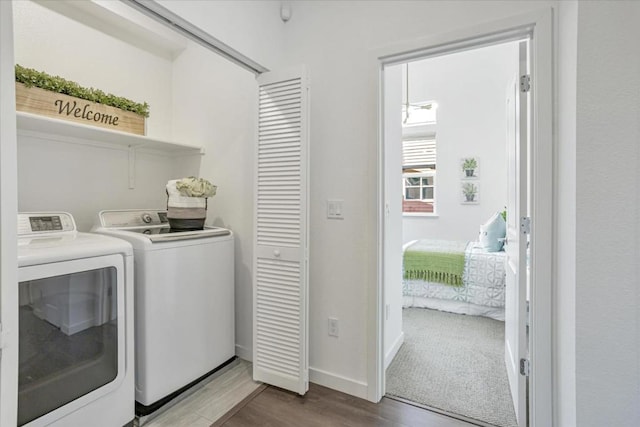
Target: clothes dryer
x=75 y=325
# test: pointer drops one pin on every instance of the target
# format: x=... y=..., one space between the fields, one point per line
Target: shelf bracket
x=132 y=167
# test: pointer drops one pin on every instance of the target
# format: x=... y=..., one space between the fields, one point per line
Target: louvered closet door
x=280 y=332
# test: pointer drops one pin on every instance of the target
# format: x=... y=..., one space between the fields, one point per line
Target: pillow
x=492 y=233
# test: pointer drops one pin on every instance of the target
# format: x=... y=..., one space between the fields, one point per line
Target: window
x=419 y=186
x=419 y=175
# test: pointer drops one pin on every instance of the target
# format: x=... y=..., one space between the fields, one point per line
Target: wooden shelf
x=61 y=130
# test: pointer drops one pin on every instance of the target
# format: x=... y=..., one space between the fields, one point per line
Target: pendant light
x=410 y=108
x=406 y=106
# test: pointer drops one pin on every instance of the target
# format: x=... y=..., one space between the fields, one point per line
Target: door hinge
x=3 y=339
x=525 y=225
x=525 y=83
x=524 y=367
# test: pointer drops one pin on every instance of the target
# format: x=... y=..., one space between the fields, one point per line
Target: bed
x=459 y=277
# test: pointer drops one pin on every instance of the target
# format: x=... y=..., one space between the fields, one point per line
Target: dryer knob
x=146 y=218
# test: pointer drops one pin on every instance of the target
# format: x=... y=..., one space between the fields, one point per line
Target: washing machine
x=184 y=301
x=76 y=348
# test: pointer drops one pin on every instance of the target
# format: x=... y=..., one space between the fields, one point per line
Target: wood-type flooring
x=323 y=407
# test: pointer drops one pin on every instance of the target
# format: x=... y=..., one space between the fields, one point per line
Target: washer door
x=71 y=336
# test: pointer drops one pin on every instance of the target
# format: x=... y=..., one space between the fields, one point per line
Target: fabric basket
x=186 y=218
x=186 y=211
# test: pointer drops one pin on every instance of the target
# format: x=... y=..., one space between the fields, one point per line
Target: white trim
x=538 y=26
x=375 y=302
x=542 y=248
x=508 y=29
x=161 y=14
x=338 y=382
x=244 y=353
x=50 y=129
x=388 y=358
x=8 y=219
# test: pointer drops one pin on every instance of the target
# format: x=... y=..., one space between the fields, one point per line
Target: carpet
x=455 y=363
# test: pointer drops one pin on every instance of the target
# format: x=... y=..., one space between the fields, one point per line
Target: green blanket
x=435 y=261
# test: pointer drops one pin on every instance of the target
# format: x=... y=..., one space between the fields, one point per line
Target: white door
x=517 y=234
x=280 y=290
x=8 y=228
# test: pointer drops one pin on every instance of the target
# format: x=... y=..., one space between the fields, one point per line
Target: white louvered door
x=280 y=294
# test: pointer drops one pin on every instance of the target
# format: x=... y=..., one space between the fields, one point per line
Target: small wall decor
x=53 y=96
x=470 y=167
x=470 y=192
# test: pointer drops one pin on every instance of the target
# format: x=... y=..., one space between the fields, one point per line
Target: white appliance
x=184 y=301
x=75 y=325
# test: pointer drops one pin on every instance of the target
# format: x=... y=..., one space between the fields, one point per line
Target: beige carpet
x=455 y=363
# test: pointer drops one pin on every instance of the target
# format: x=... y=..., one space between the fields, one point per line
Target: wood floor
x=322 y=407
x=209 y=401
x=231 y=398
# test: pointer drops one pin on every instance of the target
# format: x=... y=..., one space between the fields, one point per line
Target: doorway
x=536 y=28
x=451 y=157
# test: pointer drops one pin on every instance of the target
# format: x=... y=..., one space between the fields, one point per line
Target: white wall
x=253 y=28
x=58 y=175
x=223 y=120
x=223 y=98
x=343 y=70
x=608 y=214
x=83 y=180
x=197 y=97
x=470 y=88
x=50 y=42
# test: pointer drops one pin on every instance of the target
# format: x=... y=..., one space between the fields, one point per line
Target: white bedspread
x=482 y=293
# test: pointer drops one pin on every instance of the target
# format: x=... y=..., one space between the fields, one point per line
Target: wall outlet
x=333 y=327
x=334 y=209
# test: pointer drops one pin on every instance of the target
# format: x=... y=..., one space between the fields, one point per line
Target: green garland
x=30 y=77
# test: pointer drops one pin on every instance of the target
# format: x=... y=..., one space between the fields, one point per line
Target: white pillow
x=492 y=233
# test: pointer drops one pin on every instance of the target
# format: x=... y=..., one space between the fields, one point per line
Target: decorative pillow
x=492 y=233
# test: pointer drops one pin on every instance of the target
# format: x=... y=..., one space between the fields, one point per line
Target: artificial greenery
x=469 y=189
x=30 y=77
x=469 y=163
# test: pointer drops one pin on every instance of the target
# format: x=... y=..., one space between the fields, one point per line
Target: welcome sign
x=64 y=107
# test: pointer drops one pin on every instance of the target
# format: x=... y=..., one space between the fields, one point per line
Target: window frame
x=418 y=132
x=421 y=186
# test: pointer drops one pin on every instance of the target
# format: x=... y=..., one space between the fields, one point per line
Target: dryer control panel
x=45 y=222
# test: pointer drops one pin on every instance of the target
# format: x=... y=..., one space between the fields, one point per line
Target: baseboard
x=388 y=358
x=244 y=353
x=339 y=383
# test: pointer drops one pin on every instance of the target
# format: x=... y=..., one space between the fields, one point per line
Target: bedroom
x=428 y=151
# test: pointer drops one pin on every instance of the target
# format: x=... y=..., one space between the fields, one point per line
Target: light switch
x=334 y=209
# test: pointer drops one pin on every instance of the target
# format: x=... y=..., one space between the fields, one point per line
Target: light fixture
x=415 y=109
x=406 y=106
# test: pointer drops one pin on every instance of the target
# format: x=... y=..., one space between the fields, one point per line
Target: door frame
x=8 y=227
x=538 y=26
